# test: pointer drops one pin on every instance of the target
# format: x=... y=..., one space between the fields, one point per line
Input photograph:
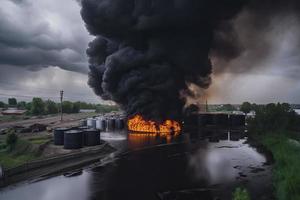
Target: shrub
x=11 y=140
x=241 y=194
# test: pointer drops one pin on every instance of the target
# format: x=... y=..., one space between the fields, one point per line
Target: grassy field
x=24 y=151
x=286 y=173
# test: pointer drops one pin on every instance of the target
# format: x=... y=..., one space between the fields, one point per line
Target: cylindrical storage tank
x=202 y=120
x=99 y=123
x=82 y=127
x=91 y=122
x=205 y=119
x=91 y=137
x=221 y=119
x=103 y=125
x=120 y=124
x=111 y=124
x=237 y=120
x=59 y=135
x=73 y=139
x=83 y=122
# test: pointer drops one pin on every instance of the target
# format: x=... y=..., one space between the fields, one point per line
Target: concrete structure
x=13 y=111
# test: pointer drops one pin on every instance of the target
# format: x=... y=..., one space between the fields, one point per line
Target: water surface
x=205 y=164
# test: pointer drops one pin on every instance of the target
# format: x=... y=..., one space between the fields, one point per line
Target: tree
x=76 y=107
x=228 y=107
x=67 y=107
x=274 y=117
x=38 y=106
x=11 y=140
x=12 y=101
x=51 y=107
x=246 y=107
x=2 y=104
x=21 y=105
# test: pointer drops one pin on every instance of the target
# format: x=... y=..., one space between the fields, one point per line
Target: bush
x=241 y=194
x=11 y=140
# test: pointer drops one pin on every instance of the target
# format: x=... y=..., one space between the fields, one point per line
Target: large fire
x=138 y=124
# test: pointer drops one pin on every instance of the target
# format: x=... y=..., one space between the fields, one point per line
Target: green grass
x=39 y=140
x=23 y=152
x=241 y=194
x=286 y=172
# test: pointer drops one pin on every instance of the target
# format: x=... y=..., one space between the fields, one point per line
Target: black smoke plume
x=147 y=52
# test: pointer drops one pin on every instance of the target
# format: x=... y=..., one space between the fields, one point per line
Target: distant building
x=13 y=111
x=87 y=110
x=297 y=111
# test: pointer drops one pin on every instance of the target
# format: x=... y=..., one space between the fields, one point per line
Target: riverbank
x=49 y=166
x=286 y=152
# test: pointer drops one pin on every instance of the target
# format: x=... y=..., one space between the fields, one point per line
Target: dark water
x=207 y=164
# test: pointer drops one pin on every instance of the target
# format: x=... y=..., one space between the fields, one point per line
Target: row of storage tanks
x=105 y=124
x=75 y=138
x=221 y=119
x=215 y=119
x=88 y=133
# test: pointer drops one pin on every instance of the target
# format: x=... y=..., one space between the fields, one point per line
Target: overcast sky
x=42 y=51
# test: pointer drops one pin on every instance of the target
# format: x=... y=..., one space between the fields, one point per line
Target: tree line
x=272 y=117
x=40 y=107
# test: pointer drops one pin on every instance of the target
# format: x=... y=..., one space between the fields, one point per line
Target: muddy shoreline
x=56 y=165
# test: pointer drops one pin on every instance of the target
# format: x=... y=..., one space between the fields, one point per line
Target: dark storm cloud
x=37 y=34
x=267 y=33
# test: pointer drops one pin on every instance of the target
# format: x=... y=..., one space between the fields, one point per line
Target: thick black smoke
x=147 y=52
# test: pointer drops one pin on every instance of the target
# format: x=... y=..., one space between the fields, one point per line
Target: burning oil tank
x=73 y=139
x=111 y=124
x=237 y=120
x=91 y=137
x=59 y=135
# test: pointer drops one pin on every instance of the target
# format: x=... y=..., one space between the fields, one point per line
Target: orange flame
x=137 y=123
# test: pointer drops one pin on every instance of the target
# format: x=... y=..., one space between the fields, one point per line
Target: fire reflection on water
x=139 y=139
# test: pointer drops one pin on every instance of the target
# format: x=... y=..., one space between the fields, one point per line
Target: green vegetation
x=51 y=107
x=12 y=101
x=39 y=140
x=274 y=125
x=286 y=174
x=2 y=104
x=22 y=152
x=274 y=117
x=11 y=140
x=37 y=107
x=106 y=108
x=15 y=151
x=246 y=107
x=241 y=194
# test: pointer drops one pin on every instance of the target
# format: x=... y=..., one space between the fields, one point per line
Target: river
x=204 y=164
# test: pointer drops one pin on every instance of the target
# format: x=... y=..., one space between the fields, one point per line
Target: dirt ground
x=51 y=121
x=49 y=150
